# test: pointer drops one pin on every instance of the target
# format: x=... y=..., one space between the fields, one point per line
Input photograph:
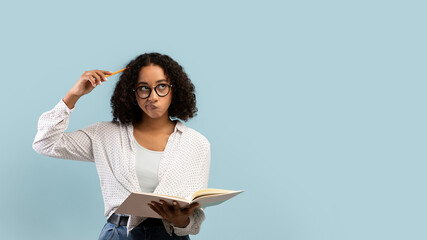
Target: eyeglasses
x=144 y=91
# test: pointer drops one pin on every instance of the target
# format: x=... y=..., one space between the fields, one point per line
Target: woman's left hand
x=174 y=214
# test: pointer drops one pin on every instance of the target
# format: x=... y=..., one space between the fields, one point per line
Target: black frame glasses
x=151 y=90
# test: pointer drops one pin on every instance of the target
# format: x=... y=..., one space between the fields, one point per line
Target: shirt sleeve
x=198 y=215
x=52 y=140
x=193 y=227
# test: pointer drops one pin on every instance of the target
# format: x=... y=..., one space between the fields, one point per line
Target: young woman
x=141 y=149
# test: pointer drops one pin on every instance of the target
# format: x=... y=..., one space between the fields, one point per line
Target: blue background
x=315 y=108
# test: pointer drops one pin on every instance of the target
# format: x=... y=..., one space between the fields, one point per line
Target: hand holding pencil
x=86 y=83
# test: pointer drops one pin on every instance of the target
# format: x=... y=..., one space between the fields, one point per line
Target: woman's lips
x=151 y=107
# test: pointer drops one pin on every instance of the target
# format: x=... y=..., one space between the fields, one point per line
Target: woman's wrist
x=70 y=100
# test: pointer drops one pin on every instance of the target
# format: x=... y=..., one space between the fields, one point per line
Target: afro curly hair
x=123 y=102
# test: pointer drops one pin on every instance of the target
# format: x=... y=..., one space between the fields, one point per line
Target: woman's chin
x=153 y=116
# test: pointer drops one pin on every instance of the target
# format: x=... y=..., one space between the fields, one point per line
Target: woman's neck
x=161 y=124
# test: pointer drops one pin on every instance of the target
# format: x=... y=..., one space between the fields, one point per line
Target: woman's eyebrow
x=161 y=80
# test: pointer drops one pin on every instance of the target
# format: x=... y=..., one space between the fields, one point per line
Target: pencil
x=121 y=70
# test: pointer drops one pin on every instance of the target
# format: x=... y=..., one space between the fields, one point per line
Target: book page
x=215 y=199
x=209 y=191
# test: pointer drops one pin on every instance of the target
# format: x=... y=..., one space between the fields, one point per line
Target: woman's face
x=154 y=106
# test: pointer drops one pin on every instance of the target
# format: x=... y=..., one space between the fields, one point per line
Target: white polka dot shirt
x=184 y=166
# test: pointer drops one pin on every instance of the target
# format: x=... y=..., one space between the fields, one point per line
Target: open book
x=137 y=202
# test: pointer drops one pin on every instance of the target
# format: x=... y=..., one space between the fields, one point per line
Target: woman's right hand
x=88 y=81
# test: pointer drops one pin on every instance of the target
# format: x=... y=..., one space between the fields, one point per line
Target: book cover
x=137 y=202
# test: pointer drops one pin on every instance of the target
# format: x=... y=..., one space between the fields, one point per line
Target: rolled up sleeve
x=52 y=140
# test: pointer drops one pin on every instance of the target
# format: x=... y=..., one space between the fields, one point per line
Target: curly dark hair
x=125 y=108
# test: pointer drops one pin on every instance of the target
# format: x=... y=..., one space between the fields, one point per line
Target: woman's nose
x=153 y=95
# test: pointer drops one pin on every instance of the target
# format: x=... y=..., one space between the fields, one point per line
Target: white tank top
x=147 y=167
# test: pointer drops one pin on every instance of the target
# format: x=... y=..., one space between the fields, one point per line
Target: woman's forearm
x=70 y=100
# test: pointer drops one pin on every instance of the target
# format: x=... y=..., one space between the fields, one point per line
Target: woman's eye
x=145 y=88
x=162 y=86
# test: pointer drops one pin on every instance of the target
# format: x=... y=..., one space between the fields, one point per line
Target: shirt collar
x=180 y=126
